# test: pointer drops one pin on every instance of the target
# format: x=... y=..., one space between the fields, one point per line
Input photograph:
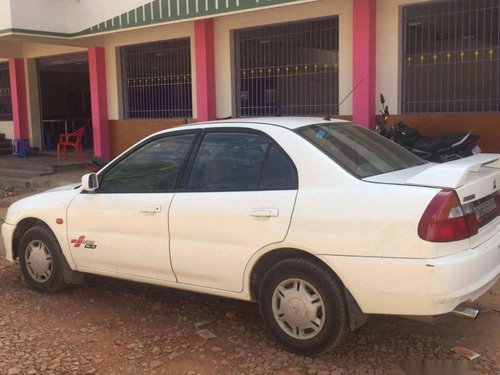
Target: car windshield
x=358 y=150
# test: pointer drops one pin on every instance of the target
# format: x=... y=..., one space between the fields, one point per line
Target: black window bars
x=451 y=56
x=5 y=96
x=288 y=69
x=156 y=79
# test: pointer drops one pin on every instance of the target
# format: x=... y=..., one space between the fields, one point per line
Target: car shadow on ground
x=132 y=327
x=383 y=342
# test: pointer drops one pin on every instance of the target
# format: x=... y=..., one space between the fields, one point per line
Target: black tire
x=54 y=282
x=336 y=321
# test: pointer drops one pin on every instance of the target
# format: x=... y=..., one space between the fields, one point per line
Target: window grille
x=451 y=55
x=157 y=79
x=5 y=98
x=289 y=69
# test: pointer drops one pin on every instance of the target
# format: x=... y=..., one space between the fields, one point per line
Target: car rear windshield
x=358 y=150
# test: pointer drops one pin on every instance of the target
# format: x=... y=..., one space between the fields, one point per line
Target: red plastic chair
x=71 y=140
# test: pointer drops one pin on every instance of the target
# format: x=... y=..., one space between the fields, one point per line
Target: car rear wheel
x=303 y=306
x=41 y=260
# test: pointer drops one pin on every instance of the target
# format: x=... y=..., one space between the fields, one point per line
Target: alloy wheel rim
x=38 y=261
x=298 y=308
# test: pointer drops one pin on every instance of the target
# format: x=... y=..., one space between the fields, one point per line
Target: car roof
x=284 y=122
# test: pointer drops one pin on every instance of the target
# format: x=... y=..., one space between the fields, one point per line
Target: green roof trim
x=162 y=11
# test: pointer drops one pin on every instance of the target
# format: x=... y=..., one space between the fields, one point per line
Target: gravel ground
x=115 y=327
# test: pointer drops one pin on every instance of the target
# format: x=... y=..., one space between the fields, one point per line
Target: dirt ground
x=114 y=327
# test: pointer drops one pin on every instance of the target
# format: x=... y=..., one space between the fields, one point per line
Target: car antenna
x=329 y=117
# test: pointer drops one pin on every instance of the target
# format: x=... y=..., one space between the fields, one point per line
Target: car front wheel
x=41 y=260
x=303 y=306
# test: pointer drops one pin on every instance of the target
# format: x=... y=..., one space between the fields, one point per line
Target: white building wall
x=63 y=16
x=36 y=50
x=7 y=128
x=389 y=44
x=5 y=15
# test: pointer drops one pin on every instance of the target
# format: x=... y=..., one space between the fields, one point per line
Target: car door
x=123 y=226
x=239 y=197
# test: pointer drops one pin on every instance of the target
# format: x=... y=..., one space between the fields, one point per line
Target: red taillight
x=445 y=220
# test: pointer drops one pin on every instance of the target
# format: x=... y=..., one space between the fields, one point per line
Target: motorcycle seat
x=430 y=144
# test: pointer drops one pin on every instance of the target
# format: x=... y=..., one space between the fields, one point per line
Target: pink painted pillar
x=19 y=99
x=364 y=46
x=205 y=69
x=99 y=101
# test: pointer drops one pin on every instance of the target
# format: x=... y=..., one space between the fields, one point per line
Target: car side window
x=240 y=161
x=228 y=161
x=278 y=171
x=154 y=167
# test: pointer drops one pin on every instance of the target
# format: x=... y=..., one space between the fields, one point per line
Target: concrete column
x=34 y=110
x=99 y=102
x=364 y=73
x=205 y=69
x=19 y=100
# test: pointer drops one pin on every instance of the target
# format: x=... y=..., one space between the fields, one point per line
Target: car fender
x=47 y=207
x=258 y=255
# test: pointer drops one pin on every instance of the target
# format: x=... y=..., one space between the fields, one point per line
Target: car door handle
x=265 y=212
x=150 y=210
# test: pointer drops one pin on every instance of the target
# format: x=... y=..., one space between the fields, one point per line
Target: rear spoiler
x=453 y=174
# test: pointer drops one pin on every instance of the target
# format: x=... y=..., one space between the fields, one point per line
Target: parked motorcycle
x=439 y=149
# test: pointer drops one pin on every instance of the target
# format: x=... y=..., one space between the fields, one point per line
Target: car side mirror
x=90 y=182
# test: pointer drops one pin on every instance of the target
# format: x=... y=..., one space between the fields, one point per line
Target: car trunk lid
x=476 y=179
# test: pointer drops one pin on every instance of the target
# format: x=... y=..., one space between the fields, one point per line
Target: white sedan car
x=321 y=222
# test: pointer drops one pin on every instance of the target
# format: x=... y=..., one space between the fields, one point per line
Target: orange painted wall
x=125 y=133
x=486 y=125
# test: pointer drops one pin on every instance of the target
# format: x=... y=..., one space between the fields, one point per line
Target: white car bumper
x=419 y=286
x=7 y=235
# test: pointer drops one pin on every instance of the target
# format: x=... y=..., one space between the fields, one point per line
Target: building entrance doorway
x=64 y=98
